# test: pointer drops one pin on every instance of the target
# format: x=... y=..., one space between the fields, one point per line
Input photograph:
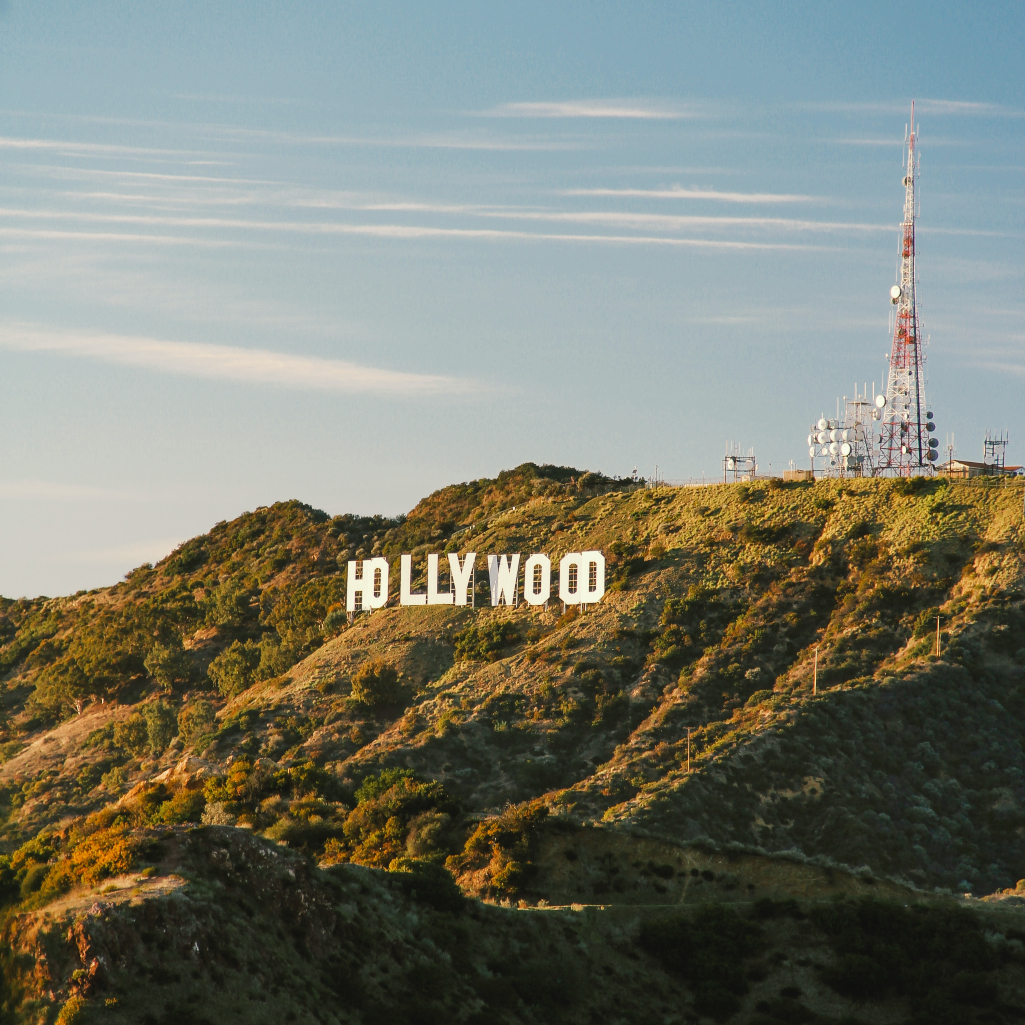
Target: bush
x=708 y=951
x=375 y=683
x=107 y=852
x=500 y=851
x=169 y=665
x=161 y=726
x=398 y=815
x=131 y=735
x=195 y=720
x=234 y=670
x=73 y=1006
x=885 y=949
x=429 y=883
x=115 y=778
x=184 y=806
x=33 y=879
x=484 y=640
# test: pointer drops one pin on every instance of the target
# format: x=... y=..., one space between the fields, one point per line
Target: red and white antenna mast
x=906 y=443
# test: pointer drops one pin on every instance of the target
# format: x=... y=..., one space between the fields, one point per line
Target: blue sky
x=353 y=253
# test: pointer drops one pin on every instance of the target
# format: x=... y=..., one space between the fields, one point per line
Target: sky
x=352 y=253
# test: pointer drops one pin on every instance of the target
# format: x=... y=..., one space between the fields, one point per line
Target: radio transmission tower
x=905 y=442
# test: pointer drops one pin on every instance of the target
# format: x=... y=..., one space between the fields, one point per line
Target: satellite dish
x=930 y=426
x=932 y=455
x=934 y=443
x=822 y=424
x=876 y=415
x=825 y=450
x=811 y=438
x=895 y=293
x=834 y=435
x=822 y=437
x=834 y=448
x=845 y=449
x=811 y=451
x=731 y=464
x=880 y=401
x=928 y=416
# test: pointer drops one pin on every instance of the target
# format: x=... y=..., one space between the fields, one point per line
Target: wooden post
x=937 y=636
x=815 y=674
x=688 y=750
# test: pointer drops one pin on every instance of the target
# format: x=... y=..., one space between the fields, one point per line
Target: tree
x=63 y=684
x=195 y=720
x=169 y=665
x=161 y=725
x=234 y=669
x=232 y=604
x=376 y=683
x=132 y=735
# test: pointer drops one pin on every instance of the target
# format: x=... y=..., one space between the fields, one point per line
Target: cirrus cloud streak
x=230 y=363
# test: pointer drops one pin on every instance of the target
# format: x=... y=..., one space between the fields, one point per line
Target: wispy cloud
x=899 y=142
x=644 y=110
x=624 y=219
x=53 y=491
x=677 y=192
x=223 y=362
x=931 y=107
x=67 y=147
x=46 y=234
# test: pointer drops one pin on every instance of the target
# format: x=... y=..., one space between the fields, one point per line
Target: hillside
x=543 y=757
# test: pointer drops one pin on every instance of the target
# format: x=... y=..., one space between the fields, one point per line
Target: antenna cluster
x=737 y=465
x=894 y=433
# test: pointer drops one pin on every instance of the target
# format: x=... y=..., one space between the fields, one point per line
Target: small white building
x=970 y=468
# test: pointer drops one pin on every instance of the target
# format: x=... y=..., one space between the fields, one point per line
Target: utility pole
x=815 y=674
x=937 y=636
x=688 y=750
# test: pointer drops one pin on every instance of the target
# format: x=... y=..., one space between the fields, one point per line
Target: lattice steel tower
x=906 y=445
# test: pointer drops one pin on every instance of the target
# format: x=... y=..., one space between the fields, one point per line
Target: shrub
x=115 y=778
x=335 y=619
x=484 y=640
x=107 y=852
x=169 y=665
x=184 y=806
x=500 y=851
x=394 y=817
x=33 y=879
x=195 y=720
x=131 y=735
x=708 y=951
x=429 y=883
x=231 y=605
x=234 y=670
x=89 y=776
x=73 y=1006
x=885 y=949
x=375 y=683
x=161 y=725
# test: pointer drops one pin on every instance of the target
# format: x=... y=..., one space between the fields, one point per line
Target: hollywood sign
x=581 y=580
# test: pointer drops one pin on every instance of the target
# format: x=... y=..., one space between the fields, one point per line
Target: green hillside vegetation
x=532 y=754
